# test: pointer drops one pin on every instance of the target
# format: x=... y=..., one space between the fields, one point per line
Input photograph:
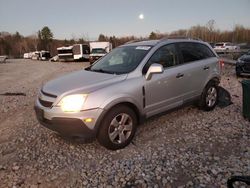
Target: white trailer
x=98 y=50
x=65 y=53
x=26 y=56
x=35 y=55
x=81 y=52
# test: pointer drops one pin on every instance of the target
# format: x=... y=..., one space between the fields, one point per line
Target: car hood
x=81 y=81
x=245 y=58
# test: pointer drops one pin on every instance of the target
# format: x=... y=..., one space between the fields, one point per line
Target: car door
x=165 y=90
x=197 y=62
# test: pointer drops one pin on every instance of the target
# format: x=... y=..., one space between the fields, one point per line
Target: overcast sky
x=82 y=18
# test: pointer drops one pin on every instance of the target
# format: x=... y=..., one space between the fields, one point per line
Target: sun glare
x=141 y=16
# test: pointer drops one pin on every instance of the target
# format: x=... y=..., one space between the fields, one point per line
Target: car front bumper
x=69 y=124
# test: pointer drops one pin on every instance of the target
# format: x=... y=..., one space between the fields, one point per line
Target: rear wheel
x=118 y=128
x=209 y=97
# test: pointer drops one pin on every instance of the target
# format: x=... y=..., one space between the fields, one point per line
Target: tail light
x=221 y=63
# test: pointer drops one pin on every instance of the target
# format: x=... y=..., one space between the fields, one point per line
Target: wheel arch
x=109 y=107
x=214 y=80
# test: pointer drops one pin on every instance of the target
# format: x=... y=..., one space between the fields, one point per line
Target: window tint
x=194 y=51
x=166 y=56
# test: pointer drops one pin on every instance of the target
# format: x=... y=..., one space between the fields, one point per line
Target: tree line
x=208 y=33
x=15 y=45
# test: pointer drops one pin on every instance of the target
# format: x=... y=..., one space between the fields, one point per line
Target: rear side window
x=194 y=51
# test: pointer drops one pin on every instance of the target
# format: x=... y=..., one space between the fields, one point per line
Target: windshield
x=98 y=51
x=121 y=60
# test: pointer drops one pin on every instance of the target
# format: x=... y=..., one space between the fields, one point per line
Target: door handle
x=179 y=75
x=206 y=68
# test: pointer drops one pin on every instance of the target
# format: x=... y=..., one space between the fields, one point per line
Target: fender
x=113 y=101
x=122 y=98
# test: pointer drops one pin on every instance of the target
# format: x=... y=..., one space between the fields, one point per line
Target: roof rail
x=136 y=40
x=165 y=38
x=179 y=37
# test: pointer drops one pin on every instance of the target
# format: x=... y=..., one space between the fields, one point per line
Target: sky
x=89 y=18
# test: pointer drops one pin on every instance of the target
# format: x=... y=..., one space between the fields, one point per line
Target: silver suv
x=135 y=81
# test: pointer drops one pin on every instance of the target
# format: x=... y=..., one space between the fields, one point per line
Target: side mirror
x=153 y=69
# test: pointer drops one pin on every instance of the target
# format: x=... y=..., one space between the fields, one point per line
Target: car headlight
x=72 y=103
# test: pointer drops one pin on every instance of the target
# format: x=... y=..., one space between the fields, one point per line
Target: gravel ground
x=183 y=148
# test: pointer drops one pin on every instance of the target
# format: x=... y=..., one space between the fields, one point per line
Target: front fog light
x=72 y=103
x=88 y=120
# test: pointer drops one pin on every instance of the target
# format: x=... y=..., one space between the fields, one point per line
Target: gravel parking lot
x=183 y=148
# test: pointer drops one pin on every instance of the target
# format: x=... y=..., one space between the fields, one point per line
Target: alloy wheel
x=120 y=128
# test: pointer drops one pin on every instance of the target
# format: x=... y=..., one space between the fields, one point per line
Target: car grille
x=46 y=99
x=45 y=103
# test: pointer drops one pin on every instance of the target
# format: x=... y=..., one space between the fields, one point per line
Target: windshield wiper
x=102 y=71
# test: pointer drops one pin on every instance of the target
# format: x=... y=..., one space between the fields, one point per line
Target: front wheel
x=209 y=97
x=117 y=128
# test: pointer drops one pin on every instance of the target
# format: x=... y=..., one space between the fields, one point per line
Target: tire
x=209 y=97
x=115 y=133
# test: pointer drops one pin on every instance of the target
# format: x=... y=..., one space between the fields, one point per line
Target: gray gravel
x=183 y=148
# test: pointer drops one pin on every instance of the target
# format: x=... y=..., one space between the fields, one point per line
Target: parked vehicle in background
x=98 y=50
x=54 y=58
x=27 y=55
x=35 y=55
x=212 y=44
x=3 y=58
x=225 y=46
x=81 y=52
x=135 y=81
x=244 y=46
x=77 y=52
x=44 y=55
x=65 y=53
x=243 y=65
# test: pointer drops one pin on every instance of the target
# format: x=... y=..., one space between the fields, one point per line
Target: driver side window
x=166 y=56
